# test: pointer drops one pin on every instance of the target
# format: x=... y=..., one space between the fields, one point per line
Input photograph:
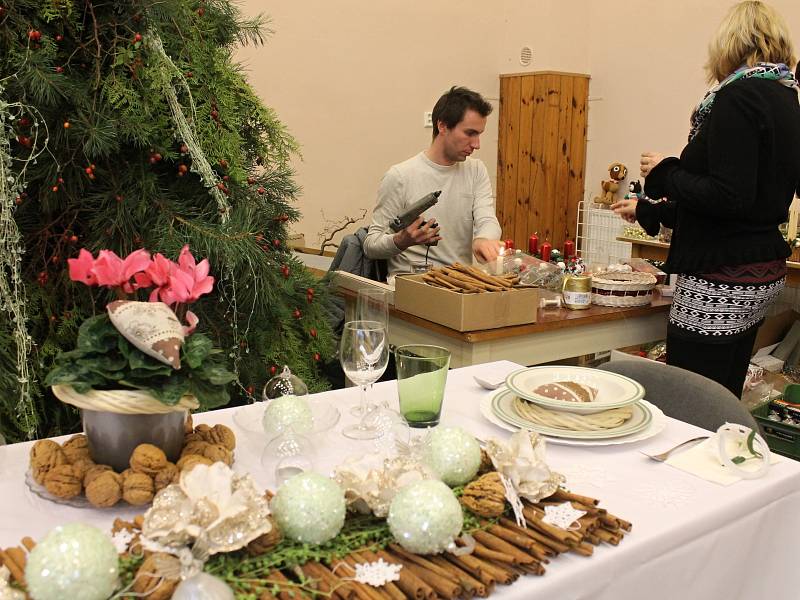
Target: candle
x=533 y=244
x=498 y=265
x=509 y=244
x=547 y=247
x=569 y=249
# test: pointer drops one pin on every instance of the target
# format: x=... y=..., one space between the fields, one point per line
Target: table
x=655 y=250
x=557 y=334
x=691 y=539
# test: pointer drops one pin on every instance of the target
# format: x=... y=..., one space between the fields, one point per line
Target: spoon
x=488 y=385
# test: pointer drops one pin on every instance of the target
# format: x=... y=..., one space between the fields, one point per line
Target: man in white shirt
x=463 y=222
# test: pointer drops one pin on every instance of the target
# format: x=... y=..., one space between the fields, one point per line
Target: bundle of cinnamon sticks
x=503 y=552
x=469 y=279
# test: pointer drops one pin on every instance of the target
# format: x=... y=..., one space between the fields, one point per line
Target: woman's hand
x=626 y=209
x=648 y=161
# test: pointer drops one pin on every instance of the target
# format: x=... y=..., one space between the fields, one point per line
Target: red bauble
x=66 y=125
x=73 y=238
x=189 y=74
x=201 y=11
x=24 y=140
x=34 y=35
x=59 y=69
x=137 y=37
x=59 y=38
x=285 y=271
x=24 y=122
x=54 y=188
x=88 y=170
x=214 y=115
x=182 y=170
x=310 y=291
x=276 y=243
x=273 y=369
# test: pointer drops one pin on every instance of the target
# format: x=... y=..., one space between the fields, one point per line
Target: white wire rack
x=598 y=229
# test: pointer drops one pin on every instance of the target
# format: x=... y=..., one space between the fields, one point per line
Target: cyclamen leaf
x=97 y=334
x=217 y=375
x=196 y=349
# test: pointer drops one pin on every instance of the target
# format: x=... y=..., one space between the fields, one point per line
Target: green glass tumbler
x=421 y=377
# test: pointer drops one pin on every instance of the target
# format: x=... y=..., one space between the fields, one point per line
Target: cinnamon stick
x=484 y=552
x=608 y=536
x=495 y=543
x=279 y=577
x=17 y=569
x=411 y=585
x=473 y=586
x=368 y=590
x=442 y=586
x=478 y=274
x=514 y=538
x=562 y=494
x=330 y=582
x=530 y=534
x=29 y=543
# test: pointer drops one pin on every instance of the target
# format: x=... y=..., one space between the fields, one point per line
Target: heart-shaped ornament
x=150 y=326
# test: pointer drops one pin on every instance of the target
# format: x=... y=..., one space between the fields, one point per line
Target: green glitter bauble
x=425 y=517
x=453 y=454
x=287 y=413
x=73 y=561
x=309 y=508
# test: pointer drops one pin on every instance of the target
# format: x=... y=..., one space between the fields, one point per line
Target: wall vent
x=526 y=56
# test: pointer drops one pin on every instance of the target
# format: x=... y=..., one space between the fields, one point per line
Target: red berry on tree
x=214 y=115
x=313 y=332
x=157 y=156
x=317 y=357
x=55 y=188
x=53 y=318
x=73 y=238
x=92 y=177
x=273 y=369
x=296 y=313
x=250 y=181
x=24 y=140
x=261 y=190
x=34 y=35
x=184 y=149
x=276 y=243
x=55 y=259
x=118 y=198
x=24 y=122
x=201 y=11
x=137 y=37
x=310 y=291
x=67 y=125
x=221 y=186
x=18 y=200
x=182 y=170
x=59 y=38
x=250 y=390
x=60 y=180
x=188 y=74
x=223 y=163
x=88 y=170
x=226 y=178
x=285 y=271
x=59 y=69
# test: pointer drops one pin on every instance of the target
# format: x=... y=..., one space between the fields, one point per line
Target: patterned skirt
x=721 y=306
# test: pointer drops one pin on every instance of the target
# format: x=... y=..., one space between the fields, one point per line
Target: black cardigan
x=733 y=184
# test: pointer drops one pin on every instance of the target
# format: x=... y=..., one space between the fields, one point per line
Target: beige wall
x=351 y=79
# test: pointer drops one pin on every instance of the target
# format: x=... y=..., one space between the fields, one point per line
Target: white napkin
x=702 y=462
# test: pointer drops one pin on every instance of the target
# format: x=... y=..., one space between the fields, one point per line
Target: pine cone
x=264 y=543
x=485 y=496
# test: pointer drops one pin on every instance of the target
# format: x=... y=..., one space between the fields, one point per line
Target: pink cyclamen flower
x=190 y=281
x=80 y=269
x=112 y=271
x=158 y=273
x=192 y=320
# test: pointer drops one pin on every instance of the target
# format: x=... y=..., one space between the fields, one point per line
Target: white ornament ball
x=287 y=413
x=309 y=508
x=202 y=586
x=73 y=561
x=453 y=454
x=425 y=517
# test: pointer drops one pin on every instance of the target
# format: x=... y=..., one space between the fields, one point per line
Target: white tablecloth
x=691 y=539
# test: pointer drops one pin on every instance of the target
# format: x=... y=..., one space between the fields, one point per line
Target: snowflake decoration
x=562 y=515
x=377 y=573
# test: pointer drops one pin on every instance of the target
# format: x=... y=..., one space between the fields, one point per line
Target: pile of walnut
x=469 y=280
x=67 y=471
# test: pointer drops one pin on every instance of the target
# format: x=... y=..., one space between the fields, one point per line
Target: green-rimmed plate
x=613 y=390
x=503 y=408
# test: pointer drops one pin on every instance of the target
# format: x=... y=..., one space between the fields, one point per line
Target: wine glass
x=372 y=304
x=364 y=354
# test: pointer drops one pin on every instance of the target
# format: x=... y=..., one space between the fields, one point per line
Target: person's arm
x=381 y=243
x=652 y=215
x=486 y=229
x=729 y=187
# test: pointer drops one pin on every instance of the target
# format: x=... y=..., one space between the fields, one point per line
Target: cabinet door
x=541 y=155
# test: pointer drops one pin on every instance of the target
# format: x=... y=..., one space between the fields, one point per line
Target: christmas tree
x=128 y=125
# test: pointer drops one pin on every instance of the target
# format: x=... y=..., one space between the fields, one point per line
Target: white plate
x=613 y=390
x=657 y=425
x=248 y=418
x=503 y=407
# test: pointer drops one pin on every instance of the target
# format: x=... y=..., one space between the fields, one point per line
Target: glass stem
x=364 y=407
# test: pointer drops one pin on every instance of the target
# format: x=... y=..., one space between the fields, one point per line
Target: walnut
x=169 y=474
x=126 y=473
x=189 y=461
x=194 y=447
x=82 y=466
x=148 y=584
x=204 y=431
x=188 y=427
x=218 y=453
x=485 y=496
x=76 y=448
x=45 y=454
x=148 y=459
x=220 y=434
x=105 y=489
x=264 y=543
x=192 y=437
x=93 y=472
x=119 y=525
x=137 y=489
x=62 y=482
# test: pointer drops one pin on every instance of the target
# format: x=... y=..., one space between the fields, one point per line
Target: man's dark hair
x=450 y=108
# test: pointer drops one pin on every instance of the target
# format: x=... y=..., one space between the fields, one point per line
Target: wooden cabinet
x=541 y=155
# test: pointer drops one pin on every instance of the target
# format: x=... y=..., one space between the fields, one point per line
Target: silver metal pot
x=112 y=437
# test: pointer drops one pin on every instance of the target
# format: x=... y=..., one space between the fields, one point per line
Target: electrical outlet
x=427 y=119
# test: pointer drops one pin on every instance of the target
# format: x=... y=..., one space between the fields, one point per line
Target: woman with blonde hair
x=726 y=196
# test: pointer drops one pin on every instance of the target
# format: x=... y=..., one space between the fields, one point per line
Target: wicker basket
x=623 y=289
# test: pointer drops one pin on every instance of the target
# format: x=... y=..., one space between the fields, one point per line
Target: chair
x=684 y=395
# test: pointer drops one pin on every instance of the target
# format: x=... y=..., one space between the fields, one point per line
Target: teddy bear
x=617 y=172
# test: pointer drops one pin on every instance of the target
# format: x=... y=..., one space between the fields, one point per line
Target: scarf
x=775 y=71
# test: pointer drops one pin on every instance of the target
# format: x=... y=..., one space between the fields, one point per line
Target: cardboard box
x=465 y=312
x=774 y=329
